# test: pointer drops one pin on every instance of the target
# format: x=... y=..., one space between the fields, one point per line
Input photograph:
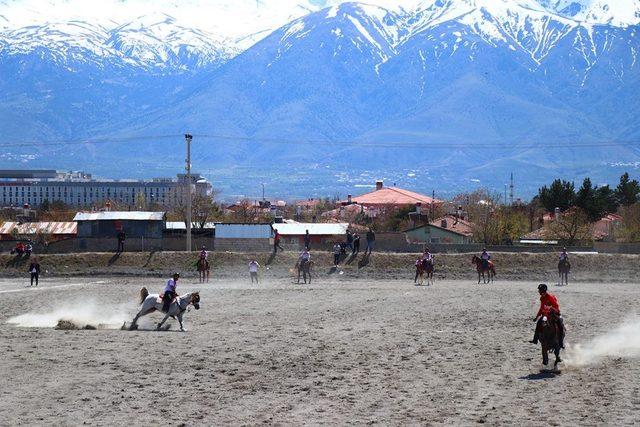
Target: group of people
x=22 y=248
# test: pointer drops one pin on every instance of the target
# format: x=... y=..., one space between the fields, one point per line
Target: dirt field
x=228 y=265
x=342 y=351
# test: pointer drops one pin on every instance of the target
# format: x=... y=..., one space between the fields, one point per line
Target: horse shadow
x=542 y=375
x=113 y=259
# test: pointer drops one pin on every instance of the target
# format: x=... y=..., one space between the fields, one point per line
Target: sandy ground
x=337 y=352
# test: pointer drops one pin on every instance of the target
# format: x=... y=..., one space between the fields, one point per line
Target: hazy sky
x=209 y=14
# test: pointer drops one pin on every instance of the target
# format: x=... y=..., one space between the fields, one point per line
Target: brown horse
x=304 y=268
x=564 y=267
x=481 y=269
x=419 y=272
x=203 y=270
x=550 y=338
x=429 y=268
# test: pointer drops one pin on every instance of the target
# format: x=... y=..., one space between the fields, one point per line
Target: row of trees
x=594 y=201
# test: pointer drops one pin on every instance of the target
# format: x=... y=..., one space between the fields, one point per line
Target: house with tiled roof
x=447 y=230
x=391 y=197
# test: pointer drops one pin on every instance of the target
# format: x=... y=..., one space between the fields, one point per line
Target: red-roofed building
x=392 y=197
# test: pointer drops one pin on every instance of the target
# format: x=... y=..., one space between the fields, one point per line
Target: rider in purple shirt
x=170 y=292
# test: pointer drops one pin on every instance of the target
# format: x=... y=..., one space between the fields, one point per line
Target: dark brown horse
x=419 y=272
x=549 y=333
x=429 y=269
x=304 y=268
x=489 y=269
x=564 y=267
x=203 y=270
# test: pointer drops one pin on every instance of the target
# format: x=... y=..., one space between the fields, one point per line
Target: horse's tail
x=144 y=293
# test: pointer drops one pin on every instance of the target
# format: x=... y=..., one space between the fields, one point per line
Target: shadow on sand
x=113 y=259
x=542 y=375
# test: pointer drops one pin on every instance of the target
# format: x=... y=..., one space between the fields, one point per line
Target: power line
x=350 y=143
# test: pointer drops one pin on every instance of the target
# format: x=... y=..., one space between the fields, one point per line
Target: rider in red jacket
x=548 y=303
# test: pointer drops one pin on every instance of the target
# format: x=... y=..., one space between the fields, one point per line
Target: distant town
x=47 y=206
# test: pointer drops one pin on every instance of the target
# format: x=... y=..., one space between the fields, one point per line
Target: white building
x=33 y=187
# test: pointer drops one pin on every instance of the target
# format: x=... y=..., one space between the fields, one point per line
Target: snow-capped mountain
x=619 y=13
x=515 y=75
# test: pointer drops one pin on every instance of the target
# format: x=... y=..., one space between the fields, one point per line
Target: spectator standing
x=253 y=270
x=336 y=254
x=34 y=270
x=349 y=240
x=356 y=244
x=371 y=241
x=307 y=240
x=121 y=238
x=276 y=242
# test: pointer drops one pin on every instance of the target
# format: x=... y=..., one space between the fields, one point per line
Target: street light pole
x=188 y=139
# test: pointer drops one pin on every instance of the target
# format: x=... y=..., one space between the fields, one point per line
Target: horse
x=419 y=272
x=203 y=269
x=153 y=302
x=550 y=338
x=304 y=268
x=481 y=269
x=429 y=268
x=564 y=267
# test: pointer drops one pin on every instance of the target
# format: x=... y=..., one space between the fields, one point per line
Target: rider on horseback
x=564 y=256
x=485 y=257
x=427 y=256
x=170 y=292
x=548 y=306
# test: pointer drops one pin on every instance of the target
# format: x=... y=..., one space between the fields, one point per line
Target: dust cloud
x=79 y=313
x=623 y=341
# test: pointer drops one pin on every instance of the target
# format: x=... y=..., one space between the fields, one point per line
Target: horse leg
x=166 y=316
x=180 y=321
x=478 y=277
x=545 y=356
x=134 y=323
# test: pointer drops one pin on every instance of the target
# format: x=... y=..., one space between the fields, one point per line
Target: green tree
x=607 y=200
x=587 y=200
x=627 y=191
x=596 y=201
x=561 y=194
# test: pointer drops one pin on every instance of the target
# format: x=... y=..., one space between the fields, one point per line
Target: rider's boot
x=535 y=337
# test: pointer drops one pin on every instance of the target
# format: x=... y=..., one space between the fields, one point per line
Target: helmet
x=542 y=287
x=176 y=274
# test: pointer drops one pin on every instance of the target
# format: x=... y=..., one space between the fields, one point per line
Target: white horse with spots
x=153 y=302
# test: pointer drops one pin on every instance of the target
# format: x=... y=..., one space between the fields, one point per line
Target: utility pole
x=505 y=194
x=188 y=139
x=511 y=194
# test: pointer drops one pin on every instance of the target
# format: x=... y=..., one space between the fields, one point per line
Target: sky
x=228 y=16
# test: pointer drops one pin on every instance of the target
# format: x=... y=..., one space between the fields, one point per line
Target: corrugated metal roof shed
x=115 y=216
x=54 y=228
x=243 y=231
x=180 y=225
x=315 y=229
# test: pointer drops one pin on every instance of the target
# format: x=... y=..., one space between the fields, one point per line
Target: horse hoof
x=183 y=330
